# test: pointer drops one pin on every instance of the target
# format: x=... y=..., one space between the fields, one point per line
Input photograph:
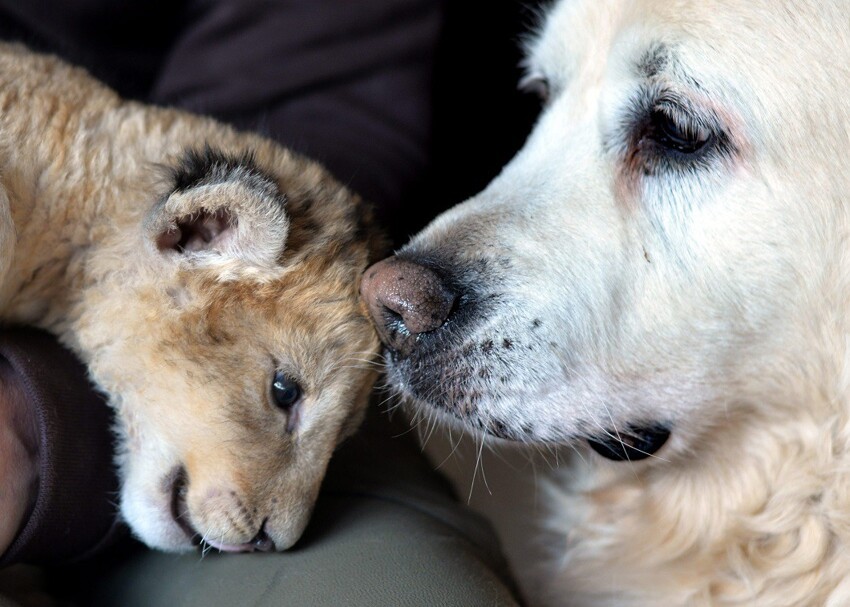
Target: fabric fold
x=75 y=512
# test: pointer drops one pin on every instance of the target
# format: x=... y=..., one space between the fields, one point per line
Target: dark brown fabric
x=74 y=513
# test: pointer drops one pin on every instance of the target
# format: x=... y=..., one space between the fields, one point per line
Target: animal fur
x=186 y=263
x=618 y=283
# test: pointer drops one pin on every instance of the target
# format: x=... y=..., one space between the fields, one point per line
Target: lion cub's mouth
x=179 y=508
x=180 y=513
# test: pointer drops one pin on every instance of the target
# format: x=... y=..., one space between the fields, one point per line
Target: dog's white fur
x=712 y=296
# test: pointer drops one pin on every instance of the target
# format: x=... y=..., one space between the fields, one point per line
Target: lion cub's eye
x=285 y=391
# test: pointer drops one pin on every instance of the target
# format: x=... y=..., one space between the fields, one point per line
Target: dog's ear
x=222 y=212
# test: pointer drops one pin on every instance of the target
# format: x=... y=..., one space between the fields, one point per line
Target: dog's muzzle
x=406 y=300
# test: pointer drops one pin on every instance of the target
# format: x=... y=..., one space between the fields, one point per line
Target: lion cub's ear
x=222 y=213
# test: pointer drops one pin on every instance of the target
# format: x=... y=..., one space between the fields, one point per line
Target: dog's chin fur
x=626 y=284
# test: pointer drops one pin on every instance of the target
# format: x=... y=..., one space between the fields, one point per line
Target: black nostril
x=262 y=542
x=405 y=299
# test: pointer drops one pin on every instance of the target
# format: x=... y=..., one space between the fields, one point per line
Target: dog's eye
x=681 y=138
x=285 y=391
x=536 y=85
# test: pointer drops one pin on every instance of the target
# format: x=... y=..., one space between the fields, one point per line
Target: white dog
x=661 y=278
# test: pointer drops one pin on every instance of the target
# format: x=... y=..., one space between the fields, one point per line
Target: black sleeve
x=74 y=513
x=346 y=83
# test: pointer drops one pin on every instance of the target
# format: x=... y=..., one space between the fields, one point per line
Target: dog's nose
x=405 y=299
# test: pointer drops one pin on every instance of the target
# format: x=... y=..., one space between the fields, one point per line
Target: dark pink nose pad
x=405 y=300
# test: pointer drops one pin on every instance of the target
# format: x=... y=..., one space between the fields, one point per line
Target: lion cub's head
x=229 y=334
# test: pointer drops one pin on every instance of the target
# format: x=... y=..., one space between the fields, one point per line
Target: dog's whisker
x=433 y=422
x=454 y=447
x=479 y=463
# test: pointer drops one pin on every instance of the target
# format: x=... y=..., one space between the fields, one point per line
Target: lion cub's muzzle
x=259 y=541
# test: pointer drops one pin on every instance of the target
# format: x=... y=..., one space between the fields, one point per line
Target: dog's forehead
x=583 y=37
x=577 y=36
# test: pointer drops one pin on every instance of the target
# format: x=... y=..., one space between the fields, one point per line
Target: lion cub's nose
x=405 y=299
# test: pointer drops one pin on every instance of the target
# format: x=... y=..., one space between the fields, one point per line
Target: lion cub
x=208 y=278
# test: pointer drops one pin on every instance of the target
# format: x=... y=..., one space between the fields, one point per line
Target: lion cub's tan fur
x=186 y=336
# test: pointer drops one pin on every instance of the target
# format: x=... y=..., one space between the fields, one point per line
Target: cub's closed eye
x=286 y=392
